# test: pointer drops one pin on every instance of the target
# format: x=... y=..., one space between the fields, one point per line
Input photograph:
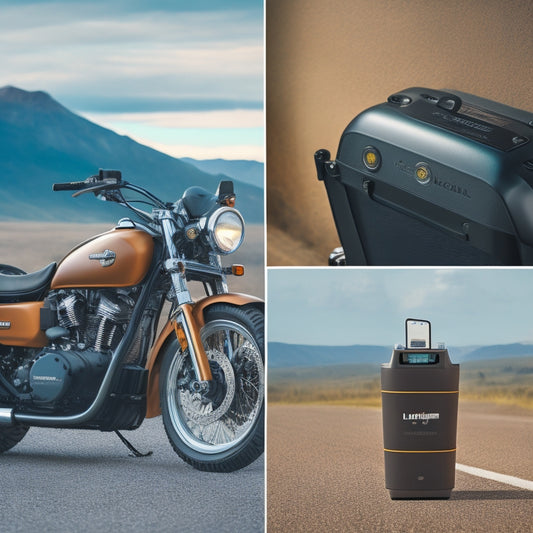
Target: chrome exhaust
x=6 y=416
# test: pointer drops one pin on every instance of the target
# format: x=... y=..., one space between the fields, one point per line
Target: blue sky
x=183 y=77
x=369 y=306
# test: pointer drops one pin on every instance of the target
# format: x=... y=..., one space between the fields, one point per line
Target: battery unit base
x=420 y=494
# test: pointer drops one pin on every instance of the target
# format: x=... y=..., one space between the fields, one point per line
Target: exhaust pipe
x=6 y=417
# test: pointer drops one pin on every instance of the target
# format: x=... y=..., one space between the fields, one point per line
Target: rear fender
x=167 y=334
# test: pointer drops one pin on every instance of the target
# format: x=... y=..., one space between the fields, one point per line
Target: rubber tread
x=253 y=446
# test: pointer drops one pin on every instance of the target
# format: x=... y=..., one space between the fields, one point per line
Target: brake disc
x=194 y=405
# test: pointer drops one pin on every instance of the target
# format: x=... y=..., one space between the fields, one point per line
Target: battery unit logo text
x=420 y=416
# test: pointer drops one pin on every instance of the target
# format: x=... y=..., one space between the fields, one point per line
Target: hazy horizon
x=346 y=306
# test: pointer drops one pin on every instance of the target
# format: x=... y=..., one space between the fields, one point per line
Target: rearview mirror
x=225 y=193
x=110 y=175
x=225 y=189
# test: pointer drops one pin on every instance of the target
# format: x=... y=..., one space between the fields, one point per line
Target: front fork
x=183 y=321
x=188 y=335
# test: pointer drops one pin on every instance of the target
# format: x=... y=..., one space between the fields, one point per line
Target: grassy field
x=501 y=381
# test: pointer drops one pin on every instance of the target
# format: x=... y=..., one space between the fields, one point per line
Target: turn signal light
x=180 y=334
x=229 y=201
x=237 y=270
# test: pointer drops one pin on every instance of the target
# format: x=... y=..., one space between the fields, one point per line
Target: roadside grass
x=501 y=381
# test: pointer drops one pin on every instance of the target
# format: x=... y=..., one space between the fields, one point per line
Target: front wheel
x=218 y=428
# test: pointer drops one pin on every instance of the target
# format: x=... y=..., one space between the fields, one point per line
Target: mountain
x=287 y=355
x=498 y=351
x=282 y=355
x=251 y=172
x=42 y=142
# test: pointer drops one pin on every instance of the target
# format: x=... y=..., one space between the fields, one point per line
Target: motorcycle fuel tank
x=119 y=258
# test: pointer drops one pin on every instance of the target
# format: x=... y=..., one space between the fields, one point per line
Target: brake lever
x=100 y=187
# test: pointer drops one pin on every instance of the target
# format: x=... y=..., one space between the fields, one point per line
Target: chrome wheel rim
x=215 y=420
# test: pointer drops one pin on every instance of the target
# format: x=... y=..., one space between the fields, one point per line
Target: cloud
x=348 y=306
x=137 y=66
x=199 y=151
x=226 y=134
x=96 y=53
x=417 y=291
x=130 y=106
x=241 y=118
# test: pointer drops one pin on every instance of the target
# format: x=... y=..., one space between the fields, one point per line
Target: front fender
x=155 y=357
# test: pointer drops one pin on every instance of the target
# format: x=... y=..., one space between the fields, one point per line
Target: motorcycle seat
x=26 y=287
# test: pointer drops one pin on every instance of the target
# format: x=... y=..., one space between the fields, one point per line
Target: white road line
x=502 y=478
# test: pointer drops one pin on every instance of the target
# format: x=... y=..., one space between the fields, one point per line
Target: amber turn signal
x=229 y=201
x=180 y=334
x=237 y=270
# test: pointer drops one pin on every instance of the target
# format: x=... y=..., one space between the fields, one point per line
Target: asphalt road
x=325 y=473
x=70 y=481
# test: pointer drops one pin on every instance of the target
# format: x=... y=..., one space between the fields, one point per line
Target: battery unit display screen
x=419 y=358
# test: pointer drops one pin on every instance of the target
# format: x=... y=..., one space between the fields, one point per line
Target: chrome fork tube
x=173 y=265
x=176 y=268
x=200 y=363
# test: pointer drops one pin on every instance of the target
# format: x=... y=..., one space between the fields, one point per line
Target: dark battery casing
x=433 y=177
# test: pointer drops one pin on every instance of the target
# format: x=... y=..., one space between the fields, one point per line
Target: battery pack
x=433 y=177
x=420 y=390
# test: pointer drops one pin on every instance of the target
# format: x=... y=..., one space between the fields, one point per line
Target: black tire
x=10 y=436
x=226 y=409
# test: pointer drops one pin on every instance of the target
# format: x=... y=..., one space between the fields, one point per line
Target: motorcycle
x=78 y=340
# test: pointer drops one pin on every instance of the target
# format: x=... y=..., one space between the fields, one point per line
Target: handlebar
x=107 y=185
x=69 y=186
x=104 y=177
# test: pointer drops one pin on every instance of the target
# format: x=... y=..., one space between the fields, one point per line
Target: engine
x=87 y=325
x=95 y=319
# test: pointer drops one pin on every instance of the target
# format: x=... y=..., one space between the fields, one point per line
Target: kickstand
x=135 y=452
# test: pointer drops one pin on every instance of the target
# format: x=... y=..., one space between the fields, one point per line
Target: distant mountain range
x=251 y=172
x=281 y=355
x=42 y=142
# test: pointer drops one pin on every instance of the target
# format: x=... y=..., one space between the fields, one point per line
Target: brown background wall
x=327 y=60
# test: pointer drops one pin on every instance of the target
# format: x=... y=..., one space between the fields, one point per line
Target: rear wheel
x=219 y=428
x=10 y=436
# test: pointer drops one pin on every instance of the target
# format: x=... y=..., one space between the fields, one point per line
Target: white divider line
x=502 y=478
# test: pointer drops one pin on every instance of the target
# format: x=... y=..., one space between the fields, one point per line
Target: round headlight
x=226 y=230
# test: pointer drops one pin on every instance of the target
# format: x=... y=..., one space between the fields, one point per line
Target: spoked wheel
x=219 y=427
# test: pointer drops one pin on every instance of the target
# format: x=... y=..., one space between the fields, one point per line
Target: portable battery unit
x=433 y=177
x=420 y=390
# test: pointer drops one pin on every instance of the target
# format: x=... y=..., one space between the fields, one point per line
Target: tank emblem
x=106 y=258
x=4 y=324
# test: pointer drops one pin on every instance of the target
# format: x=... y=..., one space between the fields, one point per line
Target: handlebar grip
x=69 y=186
